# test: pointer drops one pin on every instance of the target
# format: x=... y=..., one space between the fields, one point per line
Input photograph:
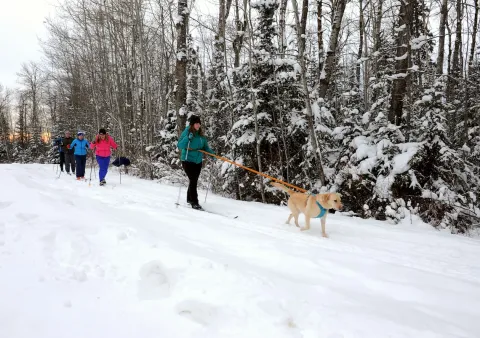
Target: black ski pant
x=193 y=172
x=62 y=160
x=81 y=162
x=69 y=162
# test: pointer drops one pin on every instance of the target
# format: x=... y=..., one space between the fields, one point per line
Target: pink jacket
x=103 y=146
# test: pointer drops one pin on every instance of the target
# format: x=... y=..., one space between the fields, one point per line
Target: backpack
x=119 y=161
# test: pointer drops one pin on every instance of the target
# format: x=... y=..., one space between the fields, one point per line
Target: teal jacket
x=196 y=143
x=80 y=147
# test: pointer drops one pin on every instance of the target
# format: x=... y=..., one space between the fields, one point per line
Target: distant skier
x=102 y=144
x=59 y=144
x=80 y=146
x=191 y=141
x=68 y=152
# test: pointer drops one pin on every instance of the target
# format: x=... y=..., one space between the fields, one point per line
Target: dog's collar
x=323 y=211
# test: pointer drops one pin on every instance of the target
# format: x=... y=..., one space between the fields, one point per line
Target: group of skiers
x=73 y=153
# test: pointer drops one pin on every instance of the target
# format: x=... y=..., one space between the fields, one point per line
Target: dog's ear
x=324 y=198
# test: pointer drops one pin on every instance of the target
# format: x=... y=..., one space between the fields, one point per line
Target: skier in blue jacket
x=190 y=142
x=80 y=146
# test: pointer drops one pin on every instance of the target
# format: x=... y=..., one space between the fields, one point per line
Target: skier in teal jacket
x=191 y=141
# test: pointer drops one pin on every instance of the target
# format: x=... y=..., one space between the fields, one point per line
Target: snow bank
x=121 y=261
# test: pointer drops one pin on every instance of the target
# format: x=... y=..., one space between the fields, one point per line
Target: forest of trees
x=378 y=100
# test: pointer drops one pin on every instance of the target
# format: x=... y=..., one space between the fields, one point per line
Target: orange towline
x=254 y=171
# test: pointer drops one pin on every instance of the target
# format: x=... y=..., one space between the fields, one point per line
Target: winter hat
x=102 y=131
x=194 y=119
x=80 y=133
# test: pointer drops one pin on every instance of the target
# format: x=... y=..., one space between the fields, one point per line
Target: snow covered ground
x=80 y=261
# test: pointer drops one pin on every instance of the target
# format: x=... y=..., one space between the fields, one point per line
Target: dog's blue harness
x=322 y=209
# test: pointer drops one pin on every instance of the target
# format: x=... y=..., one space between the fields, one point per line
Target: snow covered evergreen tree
x=441 y=186
x=275 y=118
x=5 y=129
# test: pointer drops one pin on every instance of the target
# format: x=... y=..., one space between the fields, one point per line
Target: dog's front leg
x=324 y=220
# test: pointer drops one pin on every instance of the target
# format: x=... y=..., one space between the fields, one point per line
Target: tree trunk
x=366 y=68
x=253 y=98
x=281 y=34
x=181 y=66
x=456 y=64
x=220 y=42
x=301 y=29
x=474 y=36
x=321 y=52
x=441 y=40
x=402 y=61
x=241 y=27
x=361 y=28
x=329 y=65
x=466 y=112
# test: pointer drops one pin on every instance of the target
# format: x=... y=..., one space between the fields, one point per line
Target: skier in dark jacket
x=191 y=141
x=59 y=143
x=69 y=156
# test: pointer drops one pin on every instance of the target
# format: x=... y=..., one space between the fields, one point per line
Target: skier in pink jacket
x=102 y=144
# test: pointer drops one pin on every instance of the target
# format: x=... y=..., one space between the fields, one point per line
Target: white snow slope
x=123 y=261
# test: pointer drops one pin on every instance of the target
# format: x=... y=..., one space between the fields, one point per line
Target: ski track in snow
x=123 y=261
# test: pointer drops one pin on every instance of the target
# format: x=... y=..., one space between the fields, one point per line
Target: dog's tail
x=281 y=186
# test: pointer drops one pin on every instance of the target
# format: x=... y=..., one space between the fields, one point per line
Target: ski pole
x=120 y=166
x=57 y=152
x=59 y=173
x=180 y=187
x=91 y=170
x=188 y=148
x=179 y=192
x=209 y=185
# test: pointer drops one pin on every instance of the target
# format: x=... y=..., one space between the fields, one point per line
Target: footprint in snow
x=2 y=234
x=5 y=204
x=125 y=234
x=100 y=272
x=154 y=282
x=25 y=217
x=122 y=236
x=196 y=311
x=79 y=276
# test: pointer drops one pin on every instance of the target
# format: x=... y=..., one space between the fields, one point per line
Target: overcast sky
x=21 y=23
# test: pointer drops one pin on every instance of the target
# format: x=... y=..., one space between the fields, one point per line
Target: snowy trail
x=123 y=261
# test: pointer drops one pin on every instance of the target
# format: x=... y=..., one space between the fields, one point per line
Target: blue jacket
x=196 y=143
x=59 y=142
x=80 y=146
